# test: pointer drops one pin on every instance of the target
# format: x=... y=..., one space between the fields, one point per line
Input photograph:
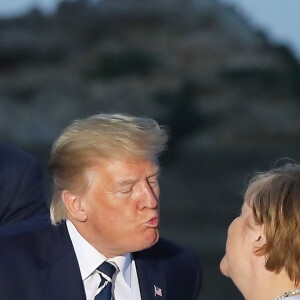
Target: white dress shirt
x=125 y=281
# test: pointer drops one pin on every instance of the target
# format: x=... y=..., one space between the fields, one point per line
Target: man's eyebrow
x=127 y=181
x=154 y=173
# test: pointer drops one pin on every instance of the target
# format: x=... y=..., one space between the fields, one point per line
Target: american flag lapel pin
x=157 y=291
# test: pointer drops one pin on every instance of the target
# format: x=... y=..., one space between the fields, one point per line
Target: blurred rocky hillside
x=197 y=66
x=229 y=97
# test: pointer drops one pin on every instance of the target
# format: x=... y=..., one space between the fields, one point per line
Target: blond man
x=104 y=241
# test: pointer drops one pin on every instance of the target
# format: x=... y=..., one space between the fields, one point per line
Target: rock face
x=229 y=97
x=143 y=58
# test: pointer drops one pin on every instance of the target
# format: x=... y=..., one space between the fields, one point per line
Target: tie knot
x=107 y=268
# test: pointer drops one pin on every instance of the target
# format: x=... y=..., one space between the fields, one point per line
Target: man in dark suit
x=21 y=186
x=104 y=239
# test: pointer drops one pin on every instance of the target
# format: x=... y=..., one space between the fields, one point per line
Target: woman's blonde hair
x=275 y=200
x=82 y=144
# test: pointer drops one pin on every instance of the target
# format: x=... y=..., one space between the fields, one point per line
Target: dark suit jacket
x=41 y=264
x=21 y=186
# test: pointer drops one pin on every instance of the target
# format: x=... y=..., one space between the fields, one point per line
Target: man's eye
x=153 y=182
x=126 y=192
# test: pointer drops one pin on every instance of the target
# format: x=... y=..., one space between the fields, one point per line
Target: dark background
x=228 y=96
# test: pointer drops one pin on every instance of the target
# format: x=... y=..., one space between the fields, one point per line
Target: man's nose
x=149 y=196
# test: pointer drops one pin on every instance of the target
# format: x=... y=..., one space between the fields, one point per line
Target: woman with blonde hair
x=263 y=244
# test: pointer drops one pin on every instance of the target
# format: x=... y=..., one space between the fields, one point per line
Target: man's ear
x=75 y=206
x=260 y=237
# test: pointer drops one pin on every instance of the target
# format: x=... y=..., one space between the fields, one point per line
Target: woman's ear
x=260 y=237
x=75 y=206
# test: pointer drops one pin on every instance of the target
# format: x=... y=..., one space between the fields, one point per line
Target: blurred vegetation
x=111 y=65
x=294 y=66
x=181 y=117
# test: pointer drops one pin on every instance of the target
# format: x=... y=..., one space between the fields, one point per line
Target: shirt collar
x=89 y=258
x=124 y=264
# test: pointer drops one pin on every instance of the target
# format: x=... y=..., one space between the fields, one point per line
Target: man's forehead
x=120 y=166
x=132 y=172
x=146 y=167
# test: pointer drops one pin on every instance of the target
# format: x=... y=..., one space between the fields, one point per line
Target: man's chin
x=224 y=267
x=151 y=237
x=155 y=240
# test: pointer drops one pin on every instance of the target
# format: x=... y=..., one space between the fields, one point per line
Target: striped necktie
x=106 y=271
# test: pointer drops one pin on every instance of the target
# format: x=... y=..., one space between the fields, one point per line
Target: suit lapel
x=60 y=276
x=149 y=278
x=62 y=280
